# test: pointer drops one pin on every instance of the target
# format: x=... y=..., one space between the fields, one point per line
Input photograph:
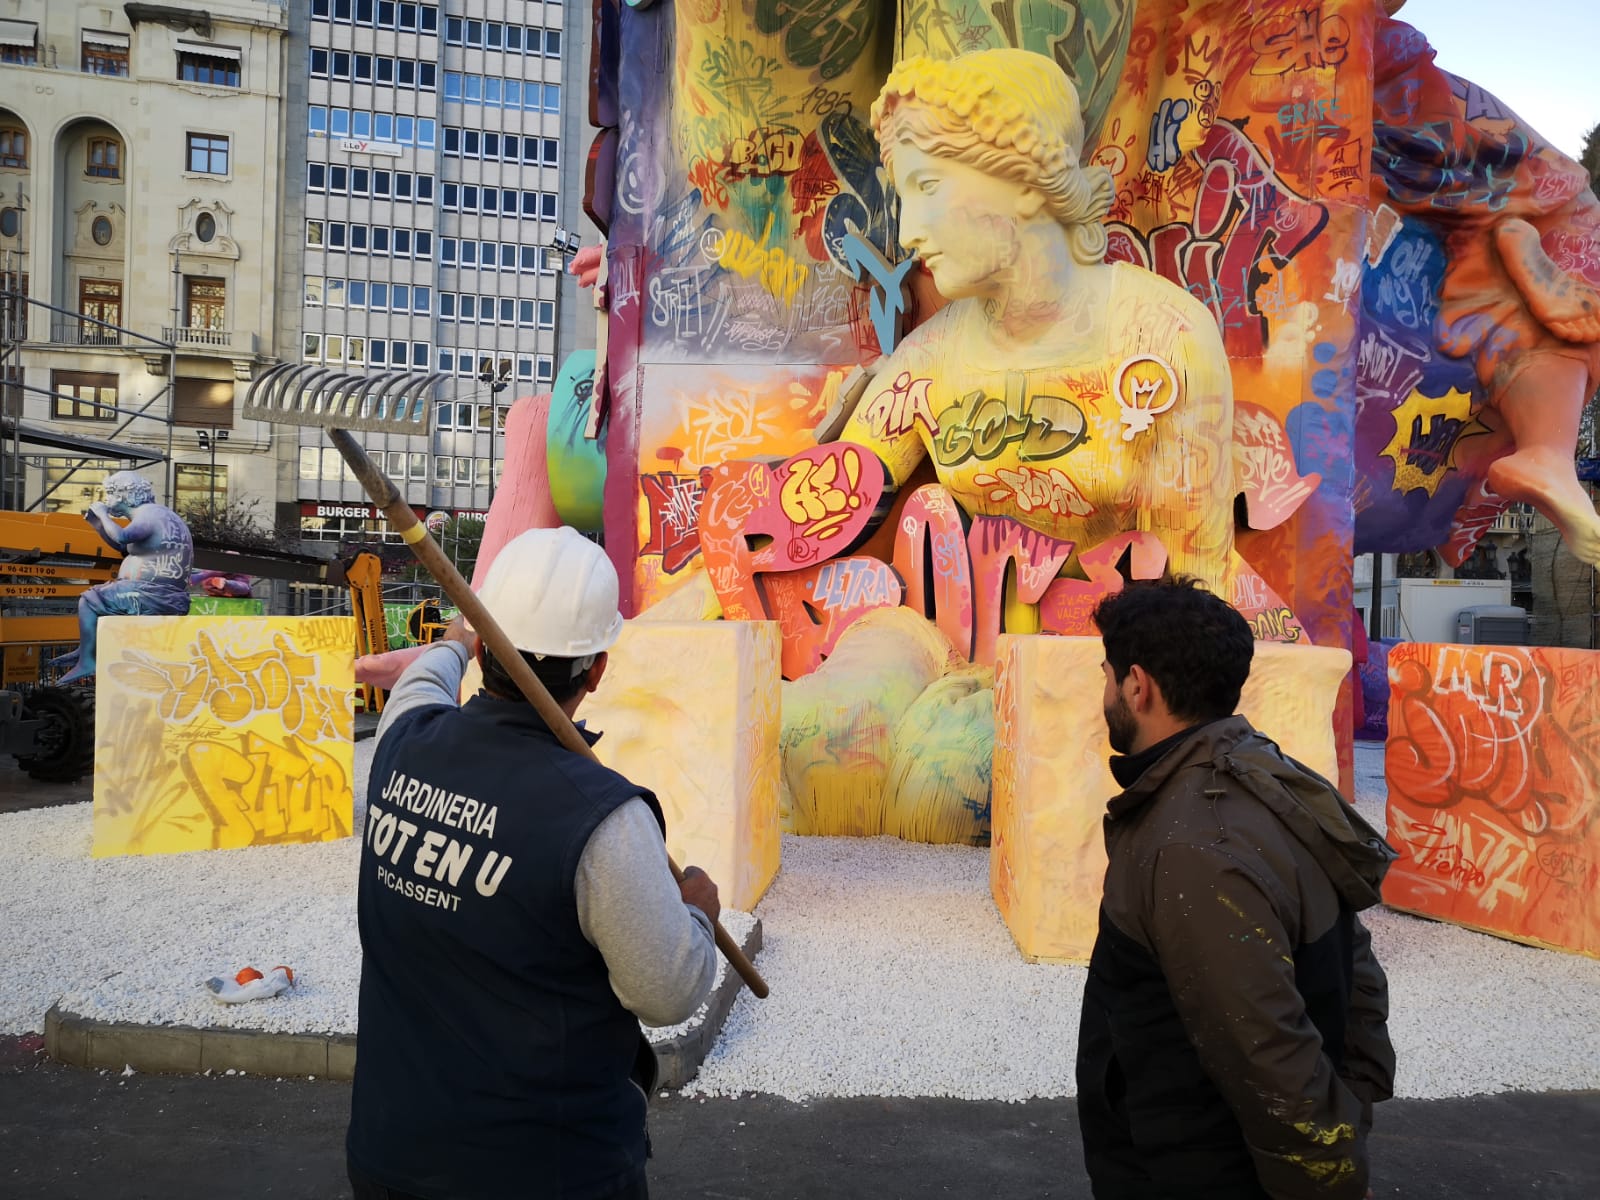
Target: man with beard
x=1234 y=1031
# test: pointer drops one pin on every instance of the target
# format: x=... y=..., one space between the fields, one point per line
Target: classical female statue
x=1081 y=398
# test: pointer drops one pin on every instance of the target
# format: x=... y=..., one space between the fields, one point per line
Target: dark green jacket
x=1234 y=1032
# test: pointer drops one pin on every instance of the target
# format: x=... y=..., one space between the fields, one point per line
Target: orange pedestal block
x=1493 y=763
x=1051 y=782
x=690 y=710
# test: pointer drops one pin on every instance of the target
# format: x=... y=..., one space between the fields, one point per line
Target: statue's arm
x=1193 y=472
x=893 y=416
x=99 y=517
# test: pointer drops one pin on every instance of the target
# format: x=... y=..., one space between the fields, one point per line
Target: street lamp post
x=208 y=441
x=563 y=242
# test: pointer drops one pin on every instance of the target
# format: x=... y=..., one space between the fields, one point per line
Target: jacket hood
x=1352 y=853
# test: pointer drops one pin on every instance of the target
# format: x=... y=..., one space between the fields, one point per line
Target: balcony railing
x=220 y=341
x=64 y=331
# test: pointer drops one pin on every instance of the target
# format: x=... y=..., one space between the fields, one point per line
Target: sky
x=1541 y=58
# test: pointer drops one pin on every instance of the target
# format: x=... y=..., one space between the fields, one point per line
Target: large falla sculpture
x=922 y=327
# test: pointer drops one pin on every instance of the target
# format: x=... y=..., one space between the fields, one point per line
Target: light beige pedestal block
x=690 y=710
x=1051 y=782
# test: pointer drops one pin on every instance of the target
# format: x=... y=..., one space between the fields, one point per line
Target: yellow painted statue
x=1081 y=398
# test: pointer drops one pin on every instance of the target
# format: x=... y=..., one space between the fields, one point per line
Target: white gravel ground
x=891 y=971
x=893 y=975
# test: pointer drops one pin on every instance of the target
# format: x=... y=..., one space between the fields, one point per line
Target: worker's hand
x=457 y=631
x=698 y=890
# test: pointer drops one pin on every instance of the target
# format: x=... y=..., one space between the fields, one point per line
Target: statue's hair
x=133 y=486
x=1011 y=113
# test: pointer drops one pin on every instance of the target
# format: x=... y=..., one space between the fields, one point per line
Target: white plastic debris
x=250 y=984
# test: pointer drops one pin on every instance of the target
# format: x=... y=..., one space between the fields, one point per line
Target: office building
x=426 y=162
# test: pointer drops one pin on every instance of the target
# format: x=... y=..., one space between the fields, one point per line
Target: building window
x=19 y=43
x=205 y=302
x=208 y=153
x=105 y=53
x=83 y=396
x=211 y=65
x=196 y=486
x=105 y=158
x=314 y=234
x=100 y=299
x=313 y=348
x=204 y=403
x=70 y=486
x=13 y=146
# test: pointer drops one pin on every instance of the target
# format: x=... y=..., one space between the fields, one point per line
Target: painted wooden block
x=218 y=732
x=690 y=710
x=1051 y=782
x=1493 y=763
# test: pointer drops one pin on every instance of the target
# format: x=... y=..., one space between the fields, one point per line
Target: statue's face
x=118 y=502
x=963 y=224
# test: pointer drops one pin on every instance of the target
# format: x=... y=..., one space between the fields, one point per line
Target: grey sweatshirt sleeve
x=434 y=678
x=660 y=952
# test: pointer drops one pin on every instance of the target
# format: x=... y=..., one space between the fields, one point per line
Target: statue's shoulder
x=1142 y=297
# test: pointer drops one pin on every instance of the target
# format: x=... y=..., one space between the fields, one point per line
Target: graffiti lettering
x=1165 y=125
x=1276 y=625
x=1299 y=41
x=1029 y=489
x=772 y=266
x=706 y=175
x=673 y=507
x=1320 y=118
x=896 y=409
x=257 y=791
x=234 y=689
x=815 y=605
x=764 y=152
x=812 y=501
x=979 y=426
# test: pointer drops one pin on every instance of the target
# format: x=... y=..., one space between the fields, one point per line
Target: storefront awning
x=55 y=439
x=18 y=33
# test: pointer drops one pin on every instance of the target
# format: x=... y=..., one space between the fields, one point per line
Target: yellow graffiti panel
x=213 y=733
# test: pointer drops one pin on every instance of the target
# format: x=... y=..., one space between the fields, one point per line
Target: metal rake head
x=300 y=394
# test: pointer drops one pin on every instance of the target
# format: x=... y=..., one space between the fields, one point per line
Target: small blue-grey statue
x=153 y=579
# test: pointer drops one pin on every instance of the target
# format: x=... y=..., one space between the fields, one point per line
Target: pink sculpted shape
x=1067 y=604
x=814 y=606
x=932 y=535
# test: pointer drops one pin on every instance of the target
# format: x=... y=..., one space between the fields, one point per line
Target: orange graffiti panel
x=1493 y=763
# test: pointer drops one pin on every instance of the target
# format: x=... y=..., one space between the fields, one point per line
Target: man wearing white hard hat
x=518 y=917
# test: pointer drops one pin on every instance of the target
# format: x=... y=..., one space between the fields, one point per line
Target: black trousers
x=365 y=1188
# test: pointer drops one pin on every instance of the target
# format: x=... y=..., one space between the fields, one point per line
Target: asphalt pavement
x=70 y=1134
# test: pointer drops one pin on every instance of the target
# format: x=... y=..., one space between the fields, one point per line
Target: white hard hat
x=554 y=592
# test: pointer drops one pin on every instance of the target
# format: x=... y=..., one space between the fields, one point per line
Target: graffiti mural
x=1480 y=332
x=215 y=733
x=1493 y=764
x=1348 y=312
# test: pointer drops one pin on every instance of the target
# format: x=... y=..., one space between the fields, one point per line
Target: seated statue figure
x=1082 y=399
x=153 y=579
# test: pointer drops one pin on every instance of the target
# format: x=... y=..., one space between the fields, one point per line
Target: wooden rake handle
x=415 y=535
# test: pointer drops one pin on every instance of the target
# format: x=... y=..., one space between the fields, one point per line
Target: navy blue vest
x=493 y=1059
